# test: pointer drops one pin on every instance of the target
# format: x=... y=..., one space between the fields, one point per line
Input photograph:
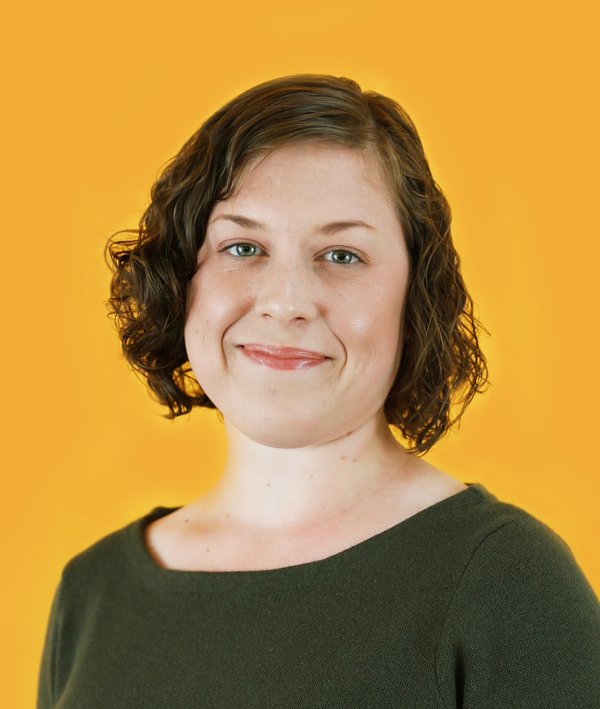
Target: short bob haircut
x=150 y=273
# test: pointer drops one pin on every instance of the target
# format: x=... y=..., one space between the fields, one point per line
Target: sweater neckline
x=297 y=574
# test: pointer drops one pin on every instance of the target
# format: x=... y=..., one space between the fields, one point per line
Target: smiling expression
x=308 y=254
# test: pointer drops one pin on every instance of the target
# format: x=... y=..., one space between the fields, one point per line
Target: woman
x=295 y=270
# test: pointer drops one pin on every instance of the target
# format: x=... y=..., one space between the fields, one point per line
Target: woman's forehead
x=326 y=175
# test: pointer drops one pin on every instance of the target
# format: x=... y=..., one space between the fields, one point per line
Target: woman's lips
x=282 y=357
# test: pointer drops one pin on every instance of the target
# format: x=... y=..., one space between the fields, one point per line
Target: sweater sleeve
x=47 y=674
x=522 y=629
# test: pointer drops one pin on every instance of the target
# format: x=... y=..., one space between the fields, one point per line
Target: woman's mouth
x=282 y=357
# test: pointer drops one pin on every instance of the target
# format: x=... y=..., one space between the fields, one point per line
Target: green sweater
x=471 y=602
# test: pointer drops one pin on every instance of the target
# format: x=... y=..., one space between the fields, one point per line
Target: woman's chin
x=287 y=434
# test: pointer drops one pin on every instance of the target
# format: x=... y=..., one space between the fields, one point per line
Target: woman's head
x=308 y=254
x=309 y=120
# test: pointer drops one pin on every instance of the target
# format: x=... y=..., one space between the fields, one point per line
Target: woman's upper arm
x=523 y=626
x=47 y=670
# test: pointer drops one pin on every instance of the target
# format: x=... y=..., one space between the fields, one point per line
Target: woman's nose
x=286 y=292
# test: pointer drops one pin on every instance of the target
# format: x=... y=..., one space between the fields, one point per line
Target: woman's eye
x=242 y=249
x=344 y=257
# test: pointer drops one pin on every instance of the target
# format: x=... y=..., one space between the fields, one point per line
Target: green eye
x=344 y=261
x=242 y=249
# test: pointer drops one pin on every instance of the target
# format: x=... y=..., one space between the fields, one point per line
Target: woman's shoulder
x=110 y=554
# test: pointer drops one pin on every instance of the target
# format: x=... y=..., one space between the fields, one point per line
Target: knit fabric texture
x=471 y=602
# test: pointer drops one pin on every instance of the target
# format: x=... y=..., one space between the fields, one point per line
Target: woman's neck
x=280 y=490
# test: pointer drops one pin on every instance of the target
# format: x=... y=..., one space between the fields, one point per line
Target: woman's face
x=271 y=271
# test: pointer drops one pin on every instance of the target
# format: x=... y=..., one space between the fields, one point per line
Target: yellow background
x=98 y=98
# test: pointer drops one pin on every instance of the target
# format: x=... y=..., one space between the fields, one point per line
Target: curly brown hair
x=441 y=358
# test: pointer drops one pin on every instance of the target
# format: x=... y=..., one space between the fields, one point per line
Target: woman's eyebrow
x=328 y=228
